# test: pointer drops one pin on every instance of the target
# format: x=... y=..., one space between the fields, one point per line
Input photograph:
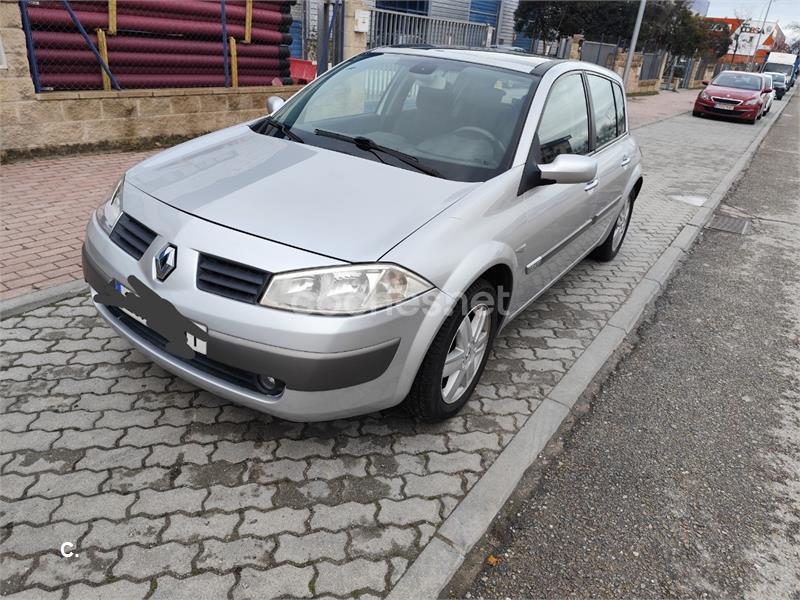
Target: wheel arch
x=502 y=278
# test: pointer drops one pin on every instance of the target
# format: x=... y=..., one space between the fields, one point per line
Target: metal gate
x=599 y=53
x=651 y=65
x=390 y=28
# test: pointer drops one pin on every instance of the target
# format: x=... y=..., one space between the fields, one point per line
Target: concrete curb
x=442 y=557
x=16 y=306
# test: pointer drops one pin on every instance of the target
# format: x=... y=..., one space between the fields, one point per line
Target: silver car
x=363 y=244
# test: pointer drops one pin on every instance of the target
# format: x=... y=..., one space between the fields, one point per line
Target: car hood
x=735 y=93
x=342 y=206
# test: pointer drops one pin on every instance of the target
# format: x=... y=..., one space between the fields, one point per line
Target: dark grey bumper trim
x=301 y=371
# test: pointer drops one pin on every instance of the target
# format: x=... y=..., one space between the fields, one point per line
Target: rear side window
x=619 y=100
x=564 y=126
x=604 y=107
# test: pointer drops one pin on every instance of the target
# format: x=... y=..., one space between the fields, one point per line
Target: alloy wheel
x=466 y=353
x=621 y=224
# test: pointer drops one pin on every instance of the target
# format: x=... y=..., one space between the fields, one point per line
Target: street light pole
x=758 y=39
x=736 y=45
x=634 y=38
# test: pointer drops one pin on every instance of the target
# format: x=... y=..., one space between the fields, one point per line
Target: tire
x=432 y=398
x=606 y=251
x=696 y=113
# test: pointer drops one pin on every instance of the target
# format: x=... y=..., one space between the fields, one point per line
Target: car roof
x=496 y=57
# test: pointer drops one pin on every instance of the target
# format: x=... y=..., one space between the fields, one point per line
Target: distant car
x=778 y=84
x=769 y=92
x=733 y=94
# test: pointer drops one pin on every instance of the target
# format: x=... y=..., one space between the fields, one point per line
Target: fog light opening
x=270 y=385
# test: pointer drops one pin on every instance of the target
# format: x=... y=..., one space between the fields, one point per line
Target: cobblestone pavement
x=644 y=110
x=168 y=491
x=47 y=201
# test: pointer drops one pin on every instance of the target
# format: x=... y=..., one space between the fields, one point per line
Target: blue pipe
x=89 y=43
x=225 y=45
x=26 y=26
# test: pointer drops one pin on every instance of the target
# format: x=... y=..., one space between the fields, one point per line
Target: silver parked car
x=364 y=243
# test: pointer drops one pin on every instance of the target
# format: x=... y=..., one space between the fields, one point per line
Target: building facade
x=751 y=42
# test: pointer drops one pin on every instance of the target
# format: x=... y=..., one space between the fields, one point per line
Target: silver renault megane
x=362 y=245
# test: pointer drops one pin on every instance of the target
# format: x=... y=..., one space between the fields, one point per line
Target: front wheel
x=611 y=245
x=456 y=358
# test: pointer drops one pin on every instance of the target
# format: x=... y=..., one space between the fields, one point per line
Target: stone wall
x=32 y=122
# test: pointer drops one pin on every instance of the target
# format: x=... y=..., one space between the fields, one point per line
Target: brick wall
x=56 y=120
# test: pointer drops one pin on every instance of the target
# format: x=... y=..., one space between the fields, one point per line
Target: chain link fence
x=134 y=44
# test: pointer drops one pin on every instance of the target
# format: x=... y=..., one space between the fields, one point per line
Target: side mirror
x=274 y=103
x=767 y=90
x=705 y=82
x=569 y=168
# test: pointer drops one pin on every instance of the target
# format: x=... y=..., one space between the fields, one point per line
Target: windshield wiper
x=284 y=129
x=366 y=144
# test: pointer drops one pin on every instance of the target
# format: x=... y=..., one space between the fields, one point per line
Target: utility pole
x=758 y=39
x=736 y=45
x=634 y=38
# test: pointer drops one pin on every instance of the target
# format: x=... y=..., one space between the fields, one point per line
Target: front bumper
x=336 y=367
x=738 y=112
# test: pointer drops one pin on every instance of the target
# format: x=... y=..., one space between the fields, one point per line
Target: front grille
x=133 y=237
x=726 y=100
x=200 y=362
x=230 y=279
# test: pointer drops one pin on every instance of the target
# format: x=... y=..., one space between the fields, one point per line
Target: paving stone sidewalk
x=47 y=202
x=167 y=491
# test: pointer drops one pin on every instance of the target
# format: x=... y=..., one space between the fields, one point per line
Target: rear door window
x=619 y=100
x=604 y=109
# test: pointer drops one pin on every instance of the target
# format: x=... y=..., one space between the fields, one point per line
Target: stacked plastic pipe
x=158 y=43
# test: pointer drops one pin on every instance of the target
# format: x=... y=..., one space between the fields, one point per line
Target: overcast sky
x=783 y=11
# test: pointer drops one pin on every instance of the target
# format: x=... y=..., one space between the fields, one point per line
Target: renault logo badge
x=165 y=261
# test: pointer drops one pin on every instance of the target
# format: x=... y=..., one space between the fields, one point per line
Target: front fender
x=479 y=260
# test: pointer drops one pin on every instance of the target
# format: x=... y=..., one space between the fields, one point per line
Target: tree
x=667 y=24
x=794 y=44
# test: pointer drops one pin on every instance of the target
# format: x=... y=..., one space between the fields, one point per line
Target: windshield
x=741 y=81
x=458 y=119
x=778 y=79
x=779 y=67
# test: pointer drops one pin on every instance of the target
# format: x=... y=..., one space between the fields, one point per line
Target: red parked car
x=733 y=94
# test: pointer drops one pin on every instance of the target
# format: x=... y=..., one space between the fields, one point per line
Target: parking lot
x=164 y=489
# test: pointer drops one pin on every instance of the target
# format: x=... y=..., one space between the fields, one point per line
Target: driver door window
x=564 y=126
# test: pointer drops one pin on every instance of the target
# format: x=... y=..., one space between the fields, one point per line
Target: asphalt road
x=682 y=475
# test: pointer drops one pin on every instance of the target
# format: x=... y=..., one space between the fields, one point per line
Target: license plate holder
x=723 y=106
x=195 y=343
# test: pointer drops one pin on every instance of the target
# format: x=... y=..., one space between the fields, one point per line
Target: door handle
x=591 y=185
x=625 y=161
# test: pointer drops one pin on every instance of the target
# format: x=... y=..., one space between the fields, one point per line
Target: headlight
x=752 y=101
x=704 y=95
x=111 y=209
x=343 y=290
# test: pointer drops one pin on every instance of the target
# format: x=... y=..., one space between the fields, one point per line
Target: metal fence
x=651 y=65
x=390 y=28
x=128 y=44
x=600 y=53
